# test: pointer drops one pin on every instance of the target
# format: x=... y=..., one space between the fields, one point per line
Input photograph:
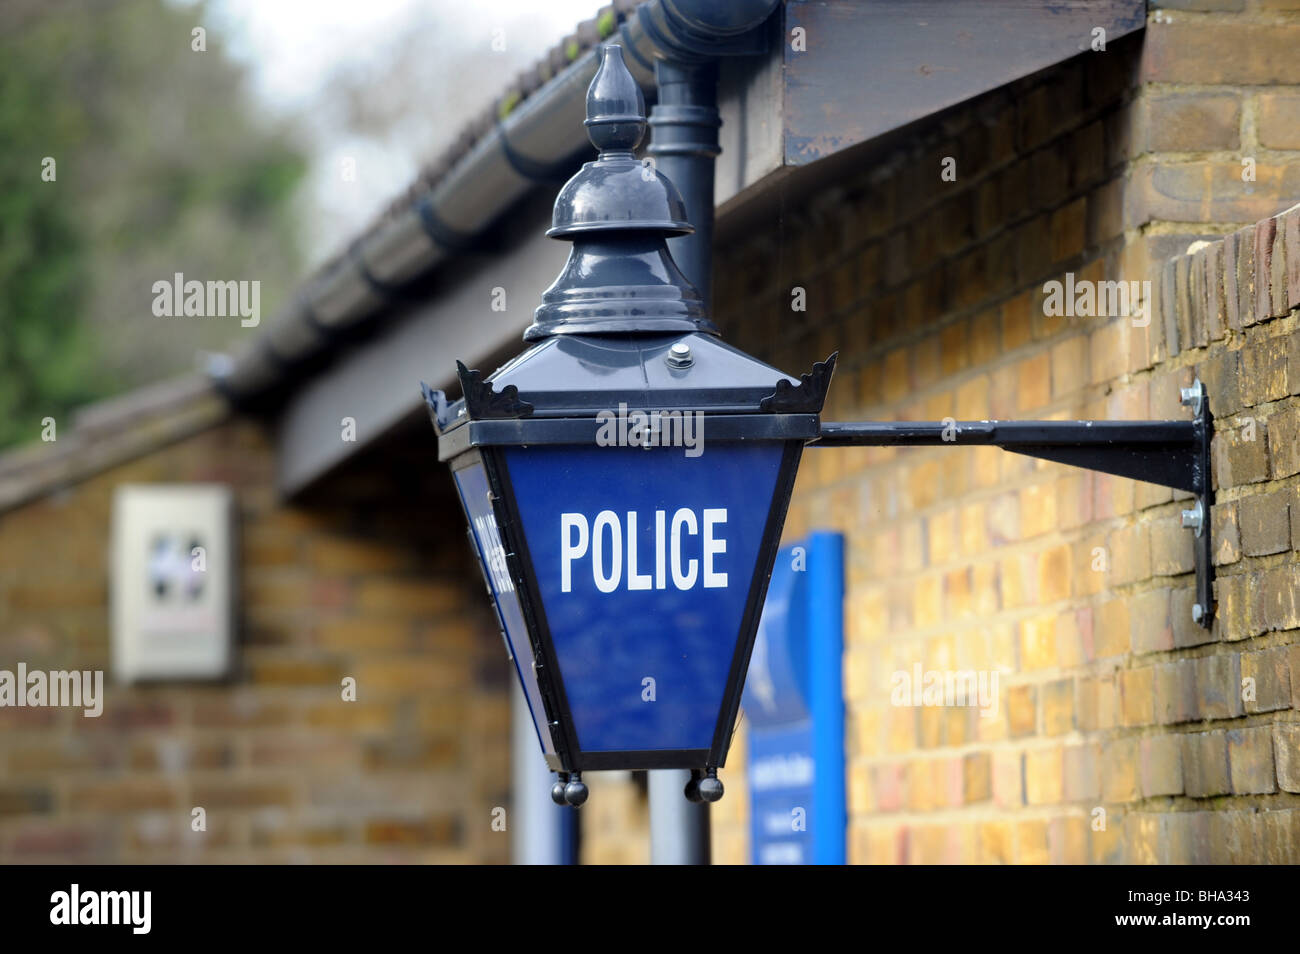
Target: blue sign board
x=795 y=708
x=644 y=560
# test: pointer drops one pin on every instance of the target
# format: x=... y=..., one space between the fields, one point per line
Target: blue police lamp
x=626 y=480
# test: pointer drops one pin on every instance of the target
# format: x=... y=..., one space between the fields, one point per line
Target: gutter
x=529 y=142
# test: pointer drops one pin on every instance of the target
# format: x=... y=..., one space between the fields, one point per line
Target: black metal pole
x=1009 y=434
x=1170 y=453
x=1161 y=452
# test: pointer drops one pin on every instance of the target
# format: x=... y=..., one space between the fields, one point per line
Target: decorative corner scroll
x=484 y=403
x=436 y=402
x=808 y=396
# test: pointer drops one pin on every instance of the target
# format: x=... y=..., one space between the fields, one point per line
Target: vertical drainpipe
x=684 y=145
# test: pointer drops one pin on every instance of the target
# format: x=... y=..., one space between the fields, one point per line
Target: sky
x=324 y=63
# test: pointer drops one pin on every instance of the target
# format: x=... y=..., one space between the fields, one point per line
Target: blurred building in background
x=1122 y=732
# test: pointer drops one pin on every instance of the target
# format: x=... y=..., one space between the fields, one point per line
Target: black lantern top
x=621 y=323
x=618 y=211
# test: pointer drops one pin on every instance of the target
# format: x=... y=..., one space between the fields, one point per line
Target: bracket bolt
x=679 y=355
x=1195 y=518
x=1198 y=612
x=1191 y=397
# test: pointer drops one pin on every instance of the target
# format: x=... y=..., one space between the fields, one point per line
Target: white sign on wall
x=172 y=581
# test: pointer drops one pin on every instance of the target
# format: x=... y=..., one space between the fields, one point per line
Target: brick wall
x=1076 y=587
x=366 y=578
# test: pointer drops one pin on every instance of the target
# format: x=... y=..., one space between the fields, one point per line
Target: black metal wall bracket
x=1171 y=453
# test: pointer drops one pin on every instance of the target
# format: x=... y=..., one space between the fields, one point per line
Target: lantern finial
x=615 y=108
x=618 y=211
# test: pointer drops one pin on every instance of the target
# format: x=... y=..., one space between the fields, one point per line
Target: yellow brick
x=895 y=379
x=1032 y=843
x=911 y=537
x=985 y=346
x=867 y=617
x=941 y=653
x=1142 y=839
x=958 y=595
x=1022 y=711
x=984 y=583
x=411 y=674
x=859 y=784
x=996 y=843
x=1069 y=366
x=972 y=401
x=985 y=465
x=901 y=729
x=294 y=671
x=1038 y=642
x=1069 y=641
x=932 y=724
x=938 y=406
x=928 y=845
x=1073 y=500
x=1037 y=510
x=1091 y=563
x=1108 y=351
x=1044 y=770
x=1058 y=707
x=1017 y=321
x=1018 y=581
x=1107 y=694
x=922 y=483
x=866 y=731
x=409 y=596
x=1034 y=383
x=857 y=673
x=343 y=555
x=1110 y=633
x=974 y=534
x=1137 y=696
x=364 y=633
x=927 y=604
x=1054 y=573
x=1002 y=644
x=943 y=537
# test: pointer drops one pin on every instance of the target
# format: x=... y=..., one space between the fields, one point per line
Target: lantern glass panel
x=476 y=497
x=645 y=560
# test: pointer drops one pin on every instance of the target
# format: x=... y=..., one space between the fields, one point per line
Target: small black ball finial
x=692 y=790
x=575 y=793
x=615 y=108
x=710 y=787
x=557 y=792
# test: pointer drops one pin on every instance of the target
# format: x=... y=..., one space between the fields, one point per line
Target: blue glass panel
x=644 y=559
x=472 y=483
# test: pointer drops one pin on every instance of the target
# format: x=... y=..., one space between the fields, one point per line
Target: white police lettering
x=611 y=546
